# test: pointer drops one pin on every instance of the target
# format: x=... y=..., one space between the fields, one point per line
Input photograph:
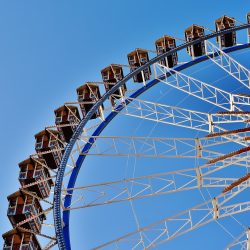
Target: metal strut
x=63 y=242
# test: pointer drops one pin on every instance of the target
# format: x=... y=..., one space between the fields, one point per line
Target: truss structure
x=154 y=147
x=111 y=192
x=207 y=171
x=227 y=63
x=213 y=125
x=199 y=89
x=169 y=228
x=242 y=242
x=182 y=117
x=144 y=187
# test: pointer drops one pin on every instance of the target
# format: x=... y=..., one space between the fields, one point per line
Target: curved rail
x=62 y=233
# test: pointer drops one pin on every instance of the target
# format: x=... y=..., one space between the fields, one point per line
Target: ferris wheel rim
x=63 y=233
x=110 y=117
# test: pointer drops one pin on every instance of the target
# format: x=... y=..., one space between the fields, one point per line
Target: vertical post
x=248 y=239
x=219 y=41
x=248 y=30
x=24 y=204
x=42 y=141
x=199 y=177
x=154 y=69
x=26 y=171
x=21 y=243
x=143 y=77
x=16 y=204
x=198 y=148
x=192 y=51
x=232 y=107
x=31 y=239
x=34 y=173
x=102 y=114
x=215 y=208
x=12 y=241
x=248 y=75
x=210 y=123
x=206 y=50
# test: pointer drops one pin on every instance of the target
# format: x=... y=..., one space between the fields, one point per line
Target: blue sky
x=48 y=48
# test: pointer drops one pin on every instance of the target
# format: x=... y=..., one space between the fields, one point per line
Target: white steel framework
x=227 y=63
x=181 y=117
x=242 y=242
x=200 y=89
x=188 y=220
x=197 y=177
x=153 y=185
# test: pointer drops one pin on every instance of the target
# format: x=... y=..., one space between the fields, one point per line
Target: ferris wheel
x=163 y=149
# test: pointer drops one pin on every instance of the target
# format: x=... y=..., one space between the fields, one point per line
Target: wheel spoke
x=161 y=147
x=242 y=242
x=194 y=87
x=181 y=117
x=227 y=63
x=63 y=147
x=188 y=220
x=143 y=187
x=160 y=183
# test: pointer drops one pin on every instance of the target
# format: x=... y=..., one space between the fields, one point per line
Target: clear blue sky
x=48 y=48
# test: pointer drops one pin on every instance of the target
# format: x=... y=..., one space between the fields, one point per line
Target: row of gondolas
x=25 y=211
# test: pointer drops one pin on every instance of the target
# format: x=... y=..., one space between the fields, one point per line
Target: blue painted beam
x=104 y=124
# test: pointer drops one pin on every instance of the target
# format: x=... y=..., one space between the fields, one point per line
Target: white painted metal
x=188 y=220
x=200 y=89
x=194 y=87
x=110 y=192
x=147 y=186
x=154 y=147
x=174 y=148
x=179 y=116
x=242 y=242
x=227 y=63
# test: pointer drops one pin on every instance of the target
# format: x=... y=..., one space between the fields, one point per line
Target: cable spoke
x=160 y=147
x=242 y=242
x=148 y=147
x=158 y=184
x=143 y=187
x=188 y=220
